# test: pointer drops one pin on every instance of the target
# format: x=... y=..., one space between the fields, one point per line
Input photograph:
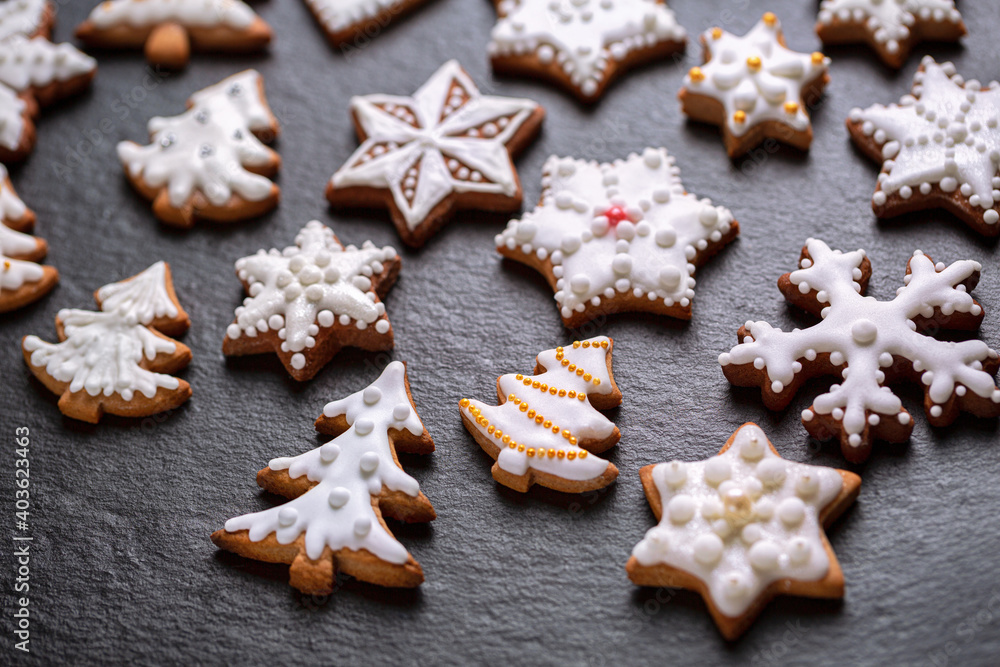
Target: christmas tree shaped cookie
x=169 y=29
x=547 y=424
x=311 y=299
x=340 y=492
x=209 y=163
x=350 y=23
x=117 y=361
x=22 y=279
x=870 y=344
x=742 y=527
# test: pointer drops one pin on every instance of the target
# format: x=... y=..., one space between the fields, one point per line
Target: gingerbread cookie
x=22 y=279
x=939 y=147
x=347 y=21
x=754 y=88
x=891 y=27
x=117 y=361
x=582 y=45
x=311 y=299
x=168 y=30
x=209 y=163
x=870 y=344
x=34 y=73
x=742 y=527
x=548 y=423
x=340 y=492
x=446 y=148
x=618 y=237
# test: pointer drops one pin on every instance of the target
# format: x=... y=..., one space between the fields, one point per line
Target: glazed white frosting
x=760 y=90
x=209 y=147
x=582 y=36
x=310 y=285
x=563 y=409
x=33 y=63
x=446 y=138
x=11 y=206
x=593 y=255
x=12 y=110
x=741 y=520
x=189 y=13
x=349 y=471
x=21 y=17
x=102 y=351
x=888 y=21
x=946 y=132
x=336 y=15
x=865 y=334
x=14 y=272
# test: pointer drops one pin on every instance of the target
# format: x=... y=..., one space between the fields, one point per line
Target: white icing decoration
x=11 y=206
x=102 y=351
x=568 y=413
x=311 y=283
x=886 y=333
x=13 y=244
x=594 y=255
x=21 y=17
x=143 y=297
x=945 y=133
x=584 y=37
x=189 y=13
x=447 y=138
x=337 y=512
x=209 y=147
x=889 y=22
x=717 y=550
x=12 y=118
x=759 y=92
x=338 y=15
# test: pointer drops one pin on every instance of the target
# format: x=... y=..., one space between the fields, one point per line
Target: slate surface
x=122 y=569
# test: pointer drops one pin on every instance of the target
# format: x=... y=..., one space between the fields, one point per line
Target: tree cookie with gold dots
x=547 y=424
x=754 y=87
x=743 y=527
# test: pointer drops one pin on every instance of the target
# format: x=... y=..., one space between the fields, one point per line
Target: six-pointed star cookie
x=742 y=527
x=892 y=27
x=581 y=44
x=754 y=87
x=447 y=147
x=940 y=146
x=618 y=237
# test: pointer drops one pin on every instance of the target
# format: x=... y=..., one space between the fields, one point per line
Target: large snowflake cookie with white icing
x=168 y=30
x=940 y=146
x=311 y=299
x=743 y=527
x=870 y=344
x=547 y=424
x=352 y=23
x=891 y=27
x=34 y=72
x=446 y=148
x=340 y=492
x=581 y=44
x=209 y=163
x=117 y=361
x=618 y=237
x=22 y=279
x=754 y=87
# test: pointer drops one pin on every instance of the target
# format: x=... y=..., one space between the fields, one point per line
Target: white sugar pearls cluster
x=888 y=21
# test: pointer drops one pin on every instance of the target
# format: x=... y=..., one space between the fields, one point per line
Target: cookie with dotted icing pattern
x=870 y=344
x=618 y=237
x=891 y=27
x=446 y=148
x=120 y=360
x=350 y=23
x=547 y=425
x=311 y=299
x=939 y=147
x=339 y=493
x=209 y=163
x=742 y=527
x=581 y=45
x=754 y=87
x=168 y=30
x=22 y=279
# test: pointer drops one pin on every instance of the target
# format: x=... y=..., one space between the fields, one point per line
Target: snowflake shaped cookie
x=618 y=237
x=754 y=87
x=346 y=21
x=447 y=147
x=892 y=27
x=311 y=299
x=581 y=44
x=742 y=527
x=940 y=146
x=870 y=344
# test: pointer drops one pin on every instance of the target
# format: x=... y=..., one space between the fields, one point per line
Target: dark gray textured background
x=122 y=566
